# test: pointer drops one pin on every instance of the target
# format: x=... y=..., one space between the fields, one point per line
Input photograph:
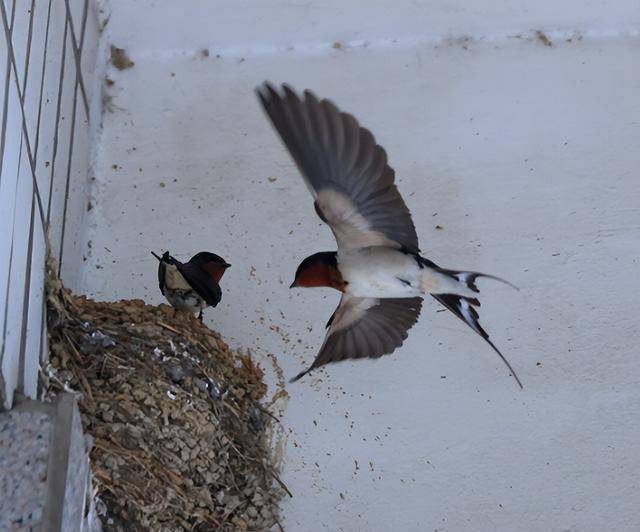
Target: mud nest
x=180 y=440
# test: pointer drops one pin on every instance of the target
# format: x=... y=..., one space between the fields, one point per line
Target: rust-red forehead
x=320 y=274
x=215 y=270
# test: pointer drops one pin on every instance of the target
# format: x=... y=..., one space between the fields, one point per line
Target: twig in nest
x=266 y=411
x=75 y=352
x=282 y=484
x=85 y=386
x=231 y=407
x=232 y=509
x=169 y=328
x=204 y=371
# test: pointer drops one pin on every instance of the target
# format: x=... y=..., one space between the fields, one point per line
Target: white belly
x=185 y=300
x=384 y=273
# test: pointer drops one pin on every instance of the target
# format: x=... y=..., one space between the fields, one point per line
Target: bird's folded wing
x=346 y=171
x=161 y=273
x=366 y=328
x=202 y=283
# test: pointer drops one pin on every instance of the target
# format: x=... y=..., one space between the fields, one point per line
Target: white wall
x=45 y=135
x=162 y=27
x=527 y=156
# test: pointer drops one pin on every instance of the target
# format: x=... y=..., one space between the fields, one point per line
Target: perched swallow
x=191 y=286
x=378 y=267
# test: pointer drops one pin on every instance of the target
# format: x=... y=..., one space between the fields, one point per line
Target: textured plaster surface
x=517 y=154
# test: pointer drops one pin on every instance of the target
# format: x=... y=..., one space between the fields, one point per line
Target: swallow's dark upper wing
x=161 y=272
x=366 y=328
x=346 y=171
x=202 y=283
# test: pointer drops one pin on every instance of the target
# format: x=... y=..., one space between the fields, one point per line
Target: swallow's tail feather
x=464 y=277
x=469 y=278
x=465 y=309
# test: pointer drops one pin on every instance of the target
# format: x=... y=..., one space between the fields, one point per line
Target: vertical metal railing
x=44 y=147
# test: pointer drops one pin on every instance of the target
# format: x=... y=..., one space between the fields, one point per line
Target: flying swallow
x=191 y=286
x=378 y=266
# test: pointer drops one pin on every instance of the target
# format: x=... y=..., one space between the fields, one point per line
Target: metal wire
x=48 y=204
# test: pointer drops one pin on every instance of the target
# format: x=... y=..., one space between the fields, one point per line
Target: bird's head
x=319 y=269
x=213 y=264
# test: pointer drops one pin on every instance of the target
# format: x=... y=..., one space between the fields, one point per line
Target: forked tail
x=465 y=309
x=469 y=278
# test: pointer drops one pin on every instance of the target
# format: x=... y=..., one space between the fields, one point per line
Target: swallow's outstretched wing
x=346 y=171
x=366 y=328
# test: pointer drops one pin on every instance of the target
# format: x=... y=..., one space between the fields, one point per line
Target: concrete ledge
x=25 y=436
x=44 y=468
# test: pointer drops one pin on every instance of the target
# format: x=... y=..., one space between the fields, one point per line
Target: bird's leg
x=200 y=316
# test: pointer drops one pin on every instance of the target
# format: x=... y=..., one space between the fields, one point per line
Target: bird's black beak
x=294 y=284
x=227 y=265
x=156 y=256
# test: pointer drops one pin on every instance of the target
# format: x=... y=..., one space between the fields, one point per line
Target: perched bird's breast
x=179 y=292
x=185 y=300
x=174 y=280
x=380 y=272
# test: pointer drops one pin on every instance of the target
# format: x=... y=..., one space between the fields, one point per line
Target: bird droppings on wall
x=120 y=59
x=462 y=41
x=108 y=105
x=182 y=435
x=542 y=37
